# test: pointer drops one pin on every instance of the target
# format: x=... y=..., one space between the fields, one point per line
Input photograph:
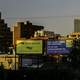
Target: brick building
x=24 y=31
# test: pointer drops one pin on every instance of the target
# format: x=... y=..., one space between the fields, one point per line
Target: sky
x=54 y=15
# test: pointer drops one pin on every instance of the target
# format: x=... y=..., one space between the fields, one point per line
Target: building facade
x=76 y=25
x=74 y=35
x=24 y=31
x=5 y=36
x=44 y=33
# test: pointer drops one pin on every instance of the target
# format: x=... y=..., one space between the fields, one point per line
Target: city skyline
x=55 y=15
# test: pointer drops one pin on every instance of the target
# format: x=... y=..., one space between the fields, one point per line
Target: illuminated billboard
x=69 y=43
x=58 y=47
x=29 y=47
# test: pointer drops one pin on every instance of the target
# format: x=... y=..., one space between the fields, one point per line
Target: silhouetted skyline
x=55 y=15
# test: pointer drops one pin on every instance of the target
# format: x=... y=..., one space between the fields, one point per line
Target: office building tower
x=5 y=36
x=76 y=25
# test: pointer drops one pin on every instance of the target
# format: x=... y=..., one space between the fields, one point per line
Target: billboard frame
x=31 y=54
x=56 y=52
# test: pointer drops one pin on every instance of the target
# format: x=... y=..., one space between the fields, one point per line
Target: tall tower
x=5 y=36
x=76 y=25
x=0 y=15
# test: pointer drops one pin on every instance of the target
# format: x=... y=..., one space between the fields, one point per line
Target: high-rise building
x=0 y=15
x=5 y=36
x=76 y=25
x=24 y=31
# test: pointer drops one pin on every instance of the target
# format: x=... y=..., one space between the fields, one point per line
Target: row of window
x=75 y=36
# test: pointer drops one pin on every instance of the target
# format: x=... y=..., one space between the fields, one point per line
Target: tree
x=75 y=54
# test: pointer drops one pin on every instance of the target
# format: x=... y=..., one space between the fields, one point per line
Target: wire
x=42 y=17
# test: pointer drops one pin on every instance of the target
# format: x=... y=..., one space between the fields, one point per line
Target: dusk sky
x=55 y=15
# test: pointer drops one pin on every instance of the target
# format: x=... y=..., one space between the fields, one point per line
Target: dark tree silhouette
x=75 y=53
